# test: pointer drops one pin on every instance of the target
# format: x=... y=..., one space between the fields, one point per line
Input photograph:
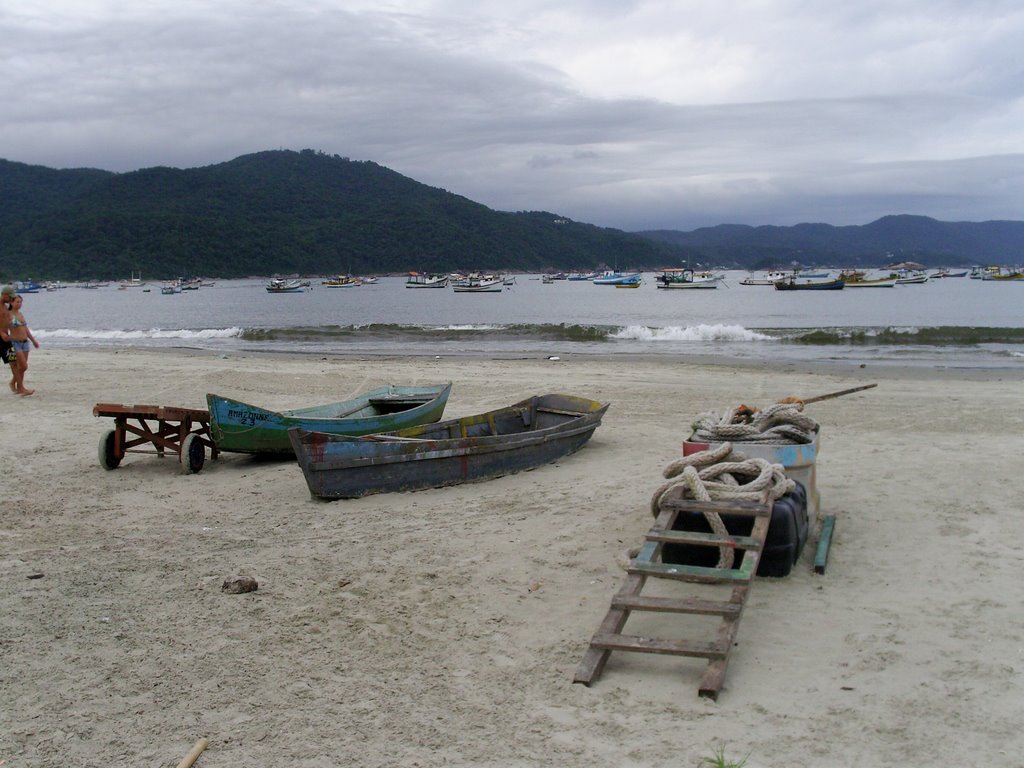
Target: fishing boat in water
x=616 y=278
x=792 y=283
x=245 y=428
x=911 y=277
x=860 y=279
x=673 y=278
x=279 y=285
x=522 y=436
x=769 y=278
x=485 y=284
x=423 y=280
x=1002 y=276
x=341 y=281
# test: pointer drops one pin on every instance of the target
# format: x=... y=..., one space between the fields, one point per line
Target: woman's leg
x=22 y=369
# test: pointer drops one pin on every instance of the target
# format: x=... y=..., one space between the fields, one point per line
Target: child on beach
x=20 y=337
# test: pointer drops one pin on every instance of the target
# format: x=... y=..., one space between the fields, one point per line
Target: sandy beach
x=443 y=627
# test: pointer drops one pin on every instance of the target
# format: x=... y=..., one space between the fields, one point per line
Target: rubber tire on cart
x=108 y=458
x=193 y=454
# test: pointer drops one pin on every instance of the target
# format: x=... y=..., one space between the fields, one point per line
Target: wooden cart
x=182 y=431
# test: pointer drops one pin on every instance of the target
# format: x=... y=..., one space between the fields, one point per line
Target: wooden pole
x=837 y=394
x=192 y=756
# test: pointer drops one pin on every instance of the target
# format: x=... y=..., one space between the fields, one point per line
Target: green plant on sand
x=718 y=759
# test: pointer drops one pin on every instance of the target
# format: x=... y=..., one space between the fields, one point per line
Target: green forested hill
x=311 y=213
x=279 y=212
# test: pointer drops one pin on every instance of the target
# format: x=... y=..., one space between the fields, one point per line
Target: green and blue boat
x=245 y=428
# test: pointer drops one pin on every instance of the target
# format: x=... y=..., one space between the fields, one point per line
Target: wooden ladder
x=648 y=564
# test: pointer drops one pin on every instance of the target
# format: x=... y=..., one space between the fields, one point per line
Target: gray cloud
x=777 y=112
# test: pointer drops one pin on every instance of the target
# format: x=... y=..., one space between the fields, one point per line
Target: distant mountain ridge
x=888 y=239
x=312 y=213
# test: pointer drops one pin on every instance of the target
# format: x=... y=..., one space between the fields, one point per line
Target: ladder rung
x=751 y=508
x=696 y=537
x=677 y=605
x=652 y=645
x=697 y=573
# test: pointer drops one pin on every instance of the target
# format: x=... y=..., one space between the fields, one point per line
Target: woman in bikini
x=20 y=338
x=7 y=354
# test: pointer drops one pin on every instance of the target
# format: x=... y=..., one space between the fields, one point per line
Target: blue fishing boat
x=617 y=278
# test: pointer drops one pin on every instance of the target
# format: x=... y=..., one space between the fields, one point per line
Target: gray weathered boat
x=522 y=436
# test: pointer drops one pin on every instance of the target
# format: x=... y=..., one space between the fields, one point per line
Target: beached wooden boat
x=522 y=436
x=244 y=428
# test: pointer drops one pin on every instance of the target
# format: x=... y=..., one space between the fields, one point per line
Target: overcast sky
x=637 y=114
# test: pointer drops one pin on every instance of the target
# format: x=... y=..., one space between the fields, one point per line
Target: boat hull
x=696 y=284
x=491 y=286
x=617 y=279
x=244 y=428
x=830 y=285
x=888 y=283
x=523 y=436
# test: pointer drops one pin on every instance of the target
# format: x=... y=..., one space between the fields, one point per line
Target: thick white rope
x=779 y=423
x=721 y=475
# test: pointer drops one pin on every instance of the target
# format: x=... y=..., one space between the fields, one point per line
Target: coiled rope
x=779 y=423
x=721 y=475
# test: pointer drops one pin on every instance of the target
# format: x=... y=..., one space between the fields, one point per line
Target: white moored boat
x=418 y=280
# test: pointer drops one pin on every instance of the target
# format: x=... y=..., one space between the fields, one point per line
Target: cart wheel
x=193 y=454
x=108 y=458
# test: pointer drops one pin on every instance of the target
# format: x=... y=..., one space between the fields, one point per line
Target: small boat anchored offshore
x=685 y=278
x=278 y=285
x=791 y=283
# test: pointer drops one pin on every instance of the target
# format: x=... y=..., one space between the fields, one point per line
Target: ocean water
x=955 y=322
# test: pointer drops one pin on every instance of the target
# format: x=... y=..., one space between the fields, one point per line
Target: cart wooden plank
x=166 y=428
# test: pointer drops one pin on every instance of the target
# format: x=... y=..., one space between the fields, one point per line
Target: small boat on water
x=522 y=436
x=907 y=277
x=791 y=283
x=684 y=278
x=633 y=281
x=860 y=279
x=769 y=278
x=342 y=281
x=1004 y=275
x=245 y=428
x=132 y=282
x=279 y=285
x=616 y=278
x=423 y=280
x=479 y=285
